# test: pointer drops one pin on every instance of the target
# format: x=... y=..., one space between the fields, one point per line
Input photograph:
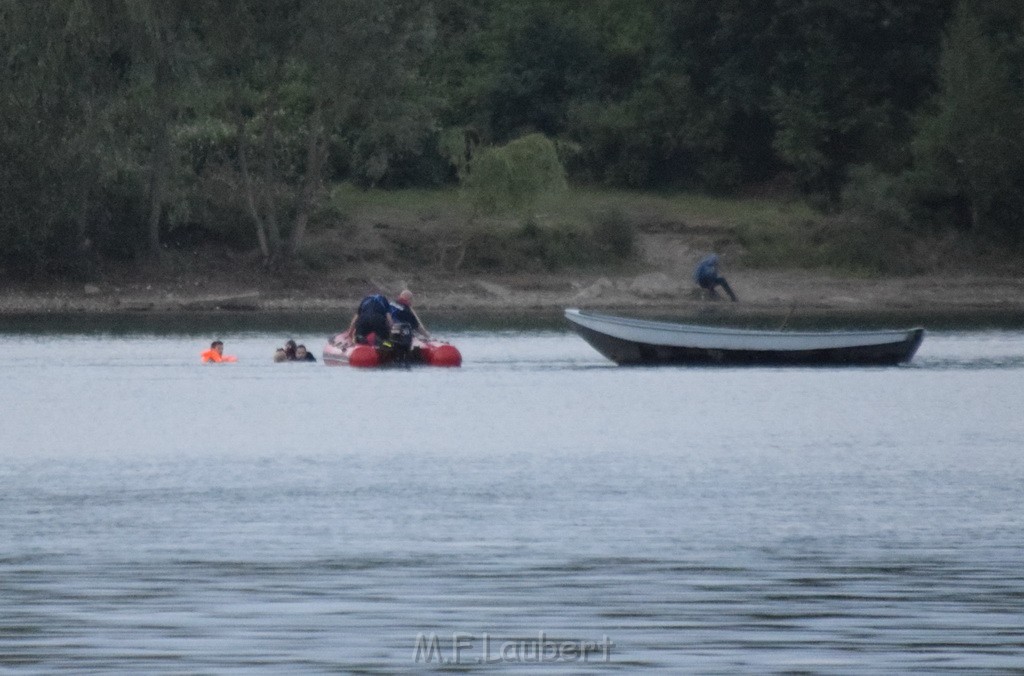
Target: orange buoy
x=443 y=355
x=363 y=356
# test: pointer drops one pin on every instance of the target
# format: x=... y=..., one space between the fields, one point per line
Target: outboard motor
x=399 y=342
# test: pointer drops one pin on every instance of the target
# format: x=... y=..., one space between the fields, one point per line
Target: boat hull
x=634 y=341
x=340 y=352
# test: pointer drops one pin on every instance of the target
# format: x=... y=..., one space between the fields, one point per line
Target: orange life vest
x=212 y=355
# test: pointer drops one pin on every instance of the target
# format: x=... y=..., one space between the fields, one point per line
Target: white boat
x=637 y=341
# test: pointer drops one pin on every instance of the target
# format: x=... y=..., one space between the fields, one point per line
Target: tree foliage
x=123 y=122
x=298 y=78
x=58 y=136
x=969 y=151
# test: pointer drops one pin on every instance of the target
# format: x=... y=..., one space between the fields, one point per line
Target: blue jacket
x=707 y=270
x=403 y=314
x=377 y=304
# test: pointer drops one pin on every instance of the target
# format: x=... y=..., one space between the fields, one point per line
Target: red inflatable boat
x=341 y=351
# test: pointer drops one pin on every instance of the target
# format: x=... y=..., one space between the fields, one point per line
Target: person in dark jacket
x=373 y=317
x=708 y=277
x=402 y=313
x=302 y=354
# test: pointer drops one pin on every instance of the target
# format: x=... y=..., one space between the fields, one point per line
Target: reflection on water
x=158 y=515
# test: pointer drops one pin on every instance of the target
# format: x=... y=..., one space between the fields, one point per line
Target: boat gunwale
x=904 y=334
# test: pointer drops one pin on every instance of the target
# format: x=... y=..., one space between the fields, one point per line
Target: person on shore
x=372 y=318
x=402 y=313
x=302 y=354
x=215 y=354
x=708 y=276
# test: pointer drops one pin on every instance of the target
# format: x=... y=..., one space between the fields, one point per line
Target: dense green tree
x=59 y=137
x=297 y=79
x=165 y=54
x=845 y=79
x=649 y=122
x=969 y=152
x=124 y=120
x=550 y=60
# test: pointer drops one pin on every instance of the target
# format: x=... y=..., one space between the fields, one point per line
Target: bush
x=515 y=176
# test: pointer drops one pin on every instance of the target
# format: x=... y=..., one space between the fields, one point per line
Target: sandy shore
x=762 y=294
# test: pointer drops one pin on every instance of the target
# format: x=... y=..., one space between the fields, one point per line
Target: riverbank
x=364 y=255
x=764 y=295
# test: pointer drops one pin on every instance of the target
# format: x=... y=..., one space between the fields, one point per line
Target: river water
x=539 y=504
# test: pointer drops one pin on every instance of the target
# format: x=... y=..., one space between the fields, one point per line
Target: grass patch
x=655 y=208
x=436 y=229
x=577 y=206
x=843 y=243
x=406 y=205
x=531 y=246
x=785 y=243
x=346 y=195
x=587 y=227
x=535 y=247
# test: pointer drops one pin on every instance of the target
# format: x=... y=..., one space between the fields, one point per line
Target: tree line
x=123 y=122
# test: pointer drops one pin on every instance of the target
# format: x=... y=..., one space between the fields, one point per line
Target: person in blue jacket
x=402 y=313
x=708 y=277
x=373 y=317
